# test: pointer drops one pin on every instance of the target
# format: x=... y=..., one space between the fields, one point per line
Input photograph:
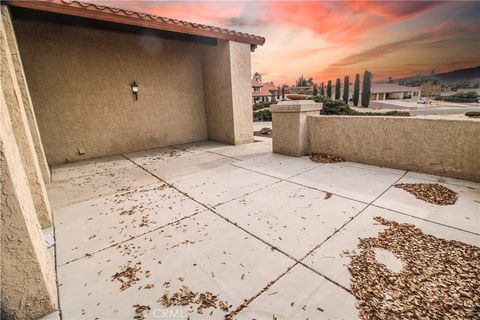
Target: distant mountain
x=471 y=75
x=460 y=74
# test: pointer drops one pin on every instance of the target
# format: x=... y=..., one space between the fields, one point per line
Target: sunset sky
x=326 y=40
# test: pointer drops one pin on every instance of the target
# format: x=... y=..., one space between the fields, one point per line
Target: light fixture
x=135 y=89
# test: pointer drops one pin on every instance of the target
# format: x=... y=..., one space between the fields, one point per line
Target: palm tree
x=257 y=77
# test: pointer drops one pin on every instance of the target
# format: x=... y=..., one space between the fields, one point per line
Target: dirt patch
x=325 y=158
x=430 y=192
x=440 y=279
x=264 y=132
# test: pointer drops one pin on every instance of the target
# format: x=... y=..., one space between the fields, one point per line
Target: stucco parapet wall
x=295 y=106
x=445 y=147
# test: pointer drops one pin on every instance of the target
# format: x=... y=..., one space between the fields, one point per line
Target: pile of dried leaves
x=325 y=158
x=186 y=297
x=430 y=192
x=264 y=132
x=440 y=278
x=127 y=276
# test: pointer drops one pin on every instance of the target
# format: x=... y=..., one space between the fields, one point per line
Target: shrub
x=329 y=88
x=367 y=82
x=262 y=115
x=338 y=84
x=263 y=105
x=346 y=88
x=339 y=107
x=356 y=90
x=473 y=114
x=470 y=96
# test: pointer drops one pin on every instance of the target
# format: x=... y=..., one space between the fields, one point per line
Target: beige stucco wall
x=443 y=147
x=28 y=287
x=79 y=80
x=289 y=126
x=227 y=89
x=25 y=93
x=21 y=130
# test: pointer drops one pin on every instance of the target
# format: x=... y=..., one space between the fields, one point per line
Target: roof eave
x=104 y=13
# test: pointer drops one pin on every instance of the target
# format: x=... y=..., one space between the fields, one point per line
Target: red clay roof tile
x=105 y=13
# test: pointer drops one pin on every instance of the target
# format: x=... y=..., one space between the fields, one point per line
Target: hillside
x=460 y=74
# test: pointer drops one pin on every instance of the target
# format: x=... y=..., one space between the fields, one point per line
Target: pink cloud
x=344 y=22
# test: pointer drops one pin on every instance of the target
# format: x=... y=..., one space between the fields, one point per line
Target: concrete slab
x=464 y=214
x=302 y=294
x=262 y=139
x=204 y=252
x=439 y=179
x=221 y=184
x=277 y=165
x=258 y=125
x=358 y=183
x=52 y=316
x=85 y=187
x=290 y=217
x=332 y=258
x=384 y=170
x=105 y=221
x=171 y=164
x=245 y=151
x=95 y=167
x=202 y=146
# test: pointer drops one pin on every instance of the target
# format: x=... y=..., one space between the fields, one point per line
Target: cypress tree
x=356 y=90
x=367 y=83
x=322 y=90
x=283 y=92
x=338 y=84
x=315 y=90
x=346 y=88
x=329 y=89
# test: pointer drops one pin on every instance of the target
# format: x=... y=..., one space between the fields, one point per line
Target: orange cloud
x=345 y=22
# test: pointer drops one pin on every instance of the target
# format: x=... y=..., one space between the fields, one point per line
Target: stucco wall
x=21 y=130
x=227 y=87
x=25 y=93
x=79 y=79
x=443 y=147
x=28 y=287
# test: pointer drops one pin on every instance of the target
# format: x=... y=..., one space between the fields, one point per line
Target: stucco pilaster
x=227 y=92
x=28 y=287
x=21 y=131
x=27 y=101
x=289 y=126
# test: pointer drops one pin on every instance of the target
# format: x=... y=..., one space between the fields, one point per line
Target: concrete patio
x=268 y=234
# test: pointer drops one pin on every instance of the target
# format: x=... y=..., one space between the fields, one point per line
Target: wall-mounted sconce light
x=135 y=89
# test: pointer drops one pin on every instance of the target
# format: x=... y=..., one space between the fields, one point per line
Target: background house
x=393 y=91
x=265 y=92
x=386 y=91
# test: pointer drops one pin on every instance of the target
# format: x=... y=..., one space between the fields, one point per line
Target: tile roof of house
x=265 y=89
x=256 y=84
x=105 y=13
